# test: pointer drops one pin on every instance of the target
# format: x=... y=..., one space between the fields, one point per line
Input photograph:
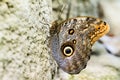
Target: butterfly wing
x=71 y=41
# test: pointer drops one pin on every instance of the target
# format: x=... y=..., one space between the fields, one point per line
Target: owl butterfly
x=71 y=41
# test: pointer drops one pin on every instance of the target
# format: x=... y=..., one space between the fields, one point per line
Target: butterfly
x=71 y=41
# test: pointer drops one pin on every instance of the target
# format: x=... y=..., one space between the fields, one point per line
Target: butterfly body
x=71 y=42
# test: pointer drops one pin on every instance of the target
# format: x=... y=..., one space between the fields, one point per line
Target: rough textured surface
x=24 y=28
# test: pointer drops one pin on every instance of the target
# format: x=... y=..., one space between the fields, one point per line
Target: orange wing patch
x=101 y=29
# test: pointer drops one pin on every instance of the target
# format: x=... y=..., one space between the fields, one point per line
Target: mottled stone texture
x=24 y=31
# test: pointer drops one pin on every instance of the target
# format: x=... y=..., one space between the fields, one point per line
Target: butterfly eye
x=68 y=51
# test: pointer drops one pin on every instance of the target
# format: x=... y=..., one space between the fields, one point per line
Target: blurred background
x=105 y=59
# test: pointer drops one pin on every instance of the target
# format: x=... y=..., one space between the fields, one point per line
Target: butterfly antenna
x=61 y=11
x=68 y=11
